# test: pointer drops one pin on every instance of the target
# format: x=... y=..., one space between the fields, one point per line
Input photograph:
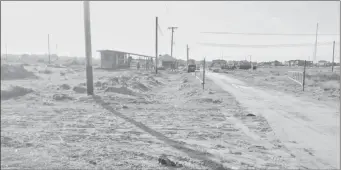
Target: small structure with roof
x=113 y=59
x=166 y=61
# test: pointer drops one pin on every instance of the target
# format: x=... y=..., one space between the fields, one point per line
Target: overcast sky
x=130 y=26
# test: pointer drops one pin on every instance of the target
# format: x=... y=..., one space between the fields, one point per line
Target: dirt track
x=309 y=130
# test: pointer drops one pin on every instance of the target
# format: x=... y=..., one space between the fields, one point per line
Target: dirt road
x=309 y=130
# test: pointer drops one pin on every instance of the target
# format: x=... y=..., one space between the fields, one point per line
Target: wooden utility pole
x=156 y=44
x=187 y=55
x=48 y=47
x=315 y=50
x=203 y=79
x=303 y=83
x=250 y=62
x=57 y=50
x=333 y=56
x=6 y=51
x=172 y=28
x=88 y=52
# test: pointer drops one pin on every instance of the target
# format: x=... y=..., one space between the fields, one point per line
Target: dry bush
x=13 y=72
x=320 y=76
x=330 y=85
x=14 y=91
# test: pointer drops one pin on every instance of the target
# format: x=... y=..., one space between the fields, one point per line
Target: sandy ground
x=48 y=122
x=308 y=129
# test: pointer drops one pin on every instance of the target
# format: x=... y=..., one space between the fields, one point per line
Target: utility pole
x=315 y=51
x=251 y=63
x=56 y=53
x=187 y=55
x=156 y=44
x=333 y=56
x=203 y=77
x=6 y=51
x=48 y=47
x=88 y=52
x=172 y=28
x=303 y=83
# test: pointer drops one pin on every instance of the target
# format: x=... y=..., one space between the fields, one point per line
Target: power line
x=281 y=34
x=263 y=46
x=159 y=28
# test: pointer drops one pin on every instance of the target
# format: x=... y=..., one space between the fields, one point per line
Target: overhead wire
x=281 y=34
x=265 y=46
x=159 y=29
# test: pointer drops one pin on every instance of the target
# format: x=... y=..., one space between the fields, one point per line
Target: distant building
x=182 y=62
x=322 y=63
x=113 y=59
x=295 y=63
x=118 y=59
x=218 y=63
x=166 y=60
x=286 y=63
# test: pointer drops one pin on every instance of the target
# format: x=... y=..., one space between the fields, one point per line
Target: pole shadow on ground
x=203 y=156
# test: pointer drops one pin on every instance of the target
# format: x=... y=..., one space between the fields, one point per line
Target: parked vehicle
x=191 y=68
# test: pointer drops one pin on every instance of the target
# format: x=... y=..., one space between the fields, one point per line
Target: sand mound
x=79 y=89
x=140 y=100
x=135 y=78
x=139 y=86
x=65 y=87
x=98 y=84
x=14 y=91
x=193 y=92
x=208 y=100
x=12 y=72
x=153 y=81
x=61 y=97
x=69 y=70
x=114 y=80
x=74 y=62
x=121 y=90
x=45 y=71
x=183 y=86
x=104 y=86
x=124 y=79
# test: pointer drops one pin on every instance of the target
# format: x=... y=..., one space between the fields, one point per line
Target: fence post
x=303 y=83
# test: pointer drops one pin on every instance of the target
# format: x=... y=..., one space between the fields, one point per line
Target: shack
x=167 y=60
x=113 y=59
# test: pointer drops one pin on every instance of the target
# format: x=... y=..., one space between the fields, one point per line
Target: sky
x=130 y=26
